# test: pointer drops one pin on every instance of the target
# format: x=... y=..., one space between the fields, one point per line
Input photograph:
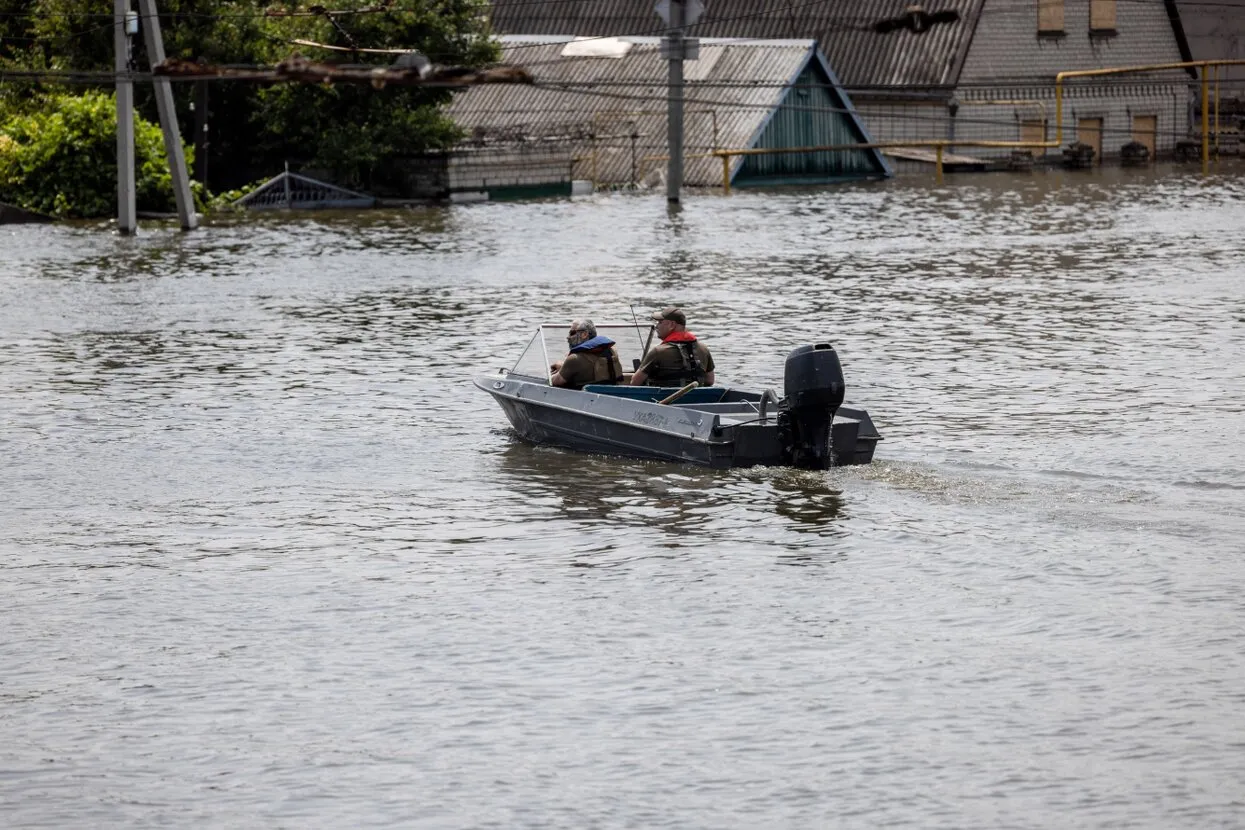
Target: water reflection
x=807 y=500
x=690 y=506
x=270 y=241
x=401 y=312
x=153 y=360
x=282 y=421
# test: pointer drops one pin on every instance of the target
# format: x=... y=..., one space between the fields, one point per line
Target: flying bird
x=916 y=20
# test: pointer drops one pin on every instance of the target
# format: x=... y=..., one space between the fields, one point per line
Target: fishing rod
x=636 y=320
x=640 y=337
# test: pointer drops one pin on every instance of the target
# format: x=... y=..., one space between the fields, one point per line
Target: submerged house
x=956 y=69
x=597 y=112
x=1216 y=31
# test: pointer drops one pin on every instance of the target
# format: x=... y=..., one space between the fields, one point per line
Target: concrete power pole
x=676 y=48
x=168 y=119
x=127 y=219
x=674 y=131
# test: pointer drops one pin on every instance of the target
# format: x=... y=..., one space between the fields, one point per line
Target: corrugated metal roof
x=843 y=28
x=611 y=113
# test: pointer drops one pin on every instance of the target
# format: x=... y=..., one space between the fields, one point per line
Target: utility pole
x=168 y=119
x=127 y=218
x=676 y=48
x=674 y=127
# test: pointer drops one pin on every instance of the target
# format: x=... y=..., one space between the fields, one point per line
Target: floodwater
x=270 y=560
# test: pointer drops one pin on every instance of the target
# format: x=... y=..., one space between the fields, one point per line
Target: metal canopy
x=291 y=191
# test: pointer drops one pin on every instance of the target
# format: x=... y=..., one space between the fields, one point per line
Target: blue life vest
x=595 y=343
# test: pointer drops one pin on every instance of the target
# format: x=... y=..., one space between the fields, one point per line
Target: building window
x=1050 y=18
x=1102 y=17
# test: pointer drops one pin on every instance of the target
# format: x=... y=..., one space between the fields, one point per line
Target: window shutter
x=1034 y=131
x=1050 y=15
x=1102 y=14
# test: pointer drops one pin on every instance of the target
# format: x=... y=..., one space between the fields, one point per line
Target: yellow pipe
x=866 y=145
x=1120 y=70
x=1205 y=121
x=941 y=144
x=1059 y=110
x=1216 y=113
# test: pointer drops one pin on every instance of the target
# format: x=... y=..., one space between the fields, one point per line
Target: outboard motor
x=814 y=388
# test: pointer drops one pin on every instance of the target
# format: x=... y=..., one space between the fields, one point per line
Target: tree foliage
x=60 y=158
x=353 y=132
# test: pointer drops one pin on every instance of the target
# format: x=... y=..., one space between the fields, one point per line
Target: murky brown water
x=270 y=560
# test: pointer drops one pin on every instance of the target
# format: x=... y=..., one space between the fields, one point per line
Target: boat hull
x=718 y=435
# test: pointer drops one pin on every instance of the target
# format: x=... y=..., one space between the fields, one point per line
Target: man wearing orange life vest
x=679 y=359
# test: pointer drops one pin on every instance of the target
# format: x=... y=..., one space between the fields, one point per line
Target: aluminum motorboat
x=809 y=426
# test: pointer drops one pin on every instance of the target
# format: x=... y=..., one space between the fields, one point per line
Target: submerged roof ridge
x=644 y=40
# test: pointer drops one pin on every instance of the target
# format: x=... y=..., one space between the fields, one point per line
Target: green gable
x=812 y=114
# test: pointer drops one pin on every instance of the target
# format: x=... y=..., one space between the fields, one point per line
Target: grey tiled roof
x=732 y=89
x=842 y=28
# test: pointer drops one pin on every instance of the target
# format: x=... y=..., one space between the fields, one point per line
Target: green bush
x=356 y=133
x=61 y=159
x=223 y=202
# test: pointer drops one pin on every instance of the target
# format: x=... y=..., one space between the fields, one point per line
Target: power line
x=1037 y=84
x=993 y=8
x=734 y=105
x=846 y=23
x=62 y=38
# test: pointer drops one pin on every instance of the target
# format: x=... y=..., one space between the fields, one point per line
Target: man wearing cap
x=679 y=359
x=592 y=359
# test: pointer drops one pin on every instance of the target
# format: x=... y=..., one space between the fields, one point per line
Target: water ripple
x=271 y=559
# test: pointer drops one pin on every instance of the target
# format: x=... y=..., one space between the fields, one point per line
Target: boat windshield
x=548 y=345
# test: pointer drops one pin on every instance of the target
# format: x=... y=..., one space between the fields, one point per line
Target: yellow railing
x=1204 y=66
x=1017 y=103
x=940 y=144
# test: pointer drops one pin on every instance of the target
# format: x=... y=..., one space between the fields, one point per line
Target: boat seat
x=701 y=394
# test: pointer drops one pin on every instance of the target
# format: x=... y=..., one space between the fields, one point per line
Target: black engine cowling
x=813 y=389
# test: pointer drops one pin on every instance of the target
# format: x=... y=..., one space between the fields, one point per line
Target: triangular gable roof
x=841 y=100
x=615 y=107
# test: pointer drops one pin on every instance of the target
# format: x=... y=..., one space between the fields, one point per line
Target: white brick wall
x=1116 y=104
x=1006 y=44
x=1008 y=77
x=506 y=168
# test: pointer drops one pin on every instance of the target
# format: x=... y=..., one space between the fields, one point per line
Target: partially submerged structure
x=1216 y=31
x=293 y=191
x=14 y=215
x=965 y=70
x=597 y=112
